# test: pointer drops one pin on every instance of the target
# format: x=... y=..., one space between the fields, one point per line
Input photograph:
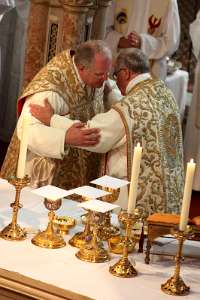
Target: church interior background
x=34 y=31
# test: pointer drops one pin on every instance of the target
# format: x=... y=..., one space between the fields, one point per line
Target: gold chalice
x=13 y=232
x=80 y=238
x=48 y=238
x=93 y=250
x=108 y=230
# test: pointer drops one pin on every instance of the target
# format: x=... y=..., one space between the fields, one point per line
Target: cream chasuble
x=151 y=117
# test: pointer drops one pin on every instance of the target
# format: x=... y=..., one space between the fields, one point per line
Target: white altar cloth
x=178 y=84
x=61 y=268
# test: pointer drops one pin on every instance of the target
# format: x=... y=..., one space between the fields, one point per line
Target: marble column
x=100 y=15
x=75 y=23
x=36 y=39
x=54 y=25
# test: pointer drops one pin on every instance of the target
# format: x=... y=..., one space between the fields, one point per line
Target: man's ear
x=80 y=67
x=127 y=74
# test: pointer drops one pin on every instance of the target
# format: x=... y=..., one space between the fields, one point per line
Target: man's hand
x=42 y=113
x=124 y=43
x=135 y=39
x=77 y=135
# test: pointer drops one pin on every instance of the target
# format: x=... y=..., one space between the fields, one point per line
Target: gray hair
x=86 y=52
x=134 y=60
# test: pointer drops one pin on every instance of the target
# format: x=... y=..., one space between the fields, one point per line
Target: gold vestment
x=78 y=167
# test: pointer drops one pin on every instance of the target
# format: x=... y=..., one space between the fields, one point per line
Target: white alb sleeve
x=44 y=140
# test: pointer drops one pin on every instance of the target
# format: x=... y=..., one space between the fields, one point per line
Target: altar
x=31 y=272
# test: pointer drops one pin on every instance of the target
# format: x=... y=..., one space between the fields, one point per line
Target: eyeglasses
x=115 y=74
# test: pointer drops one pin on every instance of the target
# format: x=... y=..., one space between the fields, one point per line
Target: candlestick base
x=175 y=286
x=123 y=268
x=13 y=233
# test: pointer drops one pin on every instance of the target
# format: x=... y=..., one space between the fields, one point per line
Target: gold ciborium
x=63 y=224
x=48 y=238
x=108 y=230
x=13 y=232
x=93 y=250
x=175 y=285
x=123 y=268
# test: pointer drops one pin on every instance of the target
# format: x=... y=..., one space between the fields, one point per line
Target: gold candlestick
x=93 y=250
x=13 y=232
x=175 y=285
x=123 y=268
x=48 y=238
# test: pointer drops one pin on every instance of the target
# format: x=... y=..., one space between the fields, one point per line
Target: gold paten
x=13 y=232
x=48 y=238
x=63 y=224
x=175 y=285
x=93 y=250
x=123 y=268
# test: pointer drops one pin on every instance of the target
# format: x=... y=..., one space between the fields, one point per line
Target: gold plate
x=63 y=224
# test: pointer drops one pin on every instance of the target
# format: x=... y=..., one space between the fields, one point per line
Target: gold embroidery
x=155 y=123
x=79 y=166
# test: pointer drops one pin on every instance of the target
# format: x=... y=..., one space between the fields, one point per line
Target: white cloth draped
x=61 y=268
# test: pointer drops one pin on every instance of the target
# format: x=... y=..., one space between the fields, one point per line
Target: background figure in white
x=151 y=25
x=192 y=135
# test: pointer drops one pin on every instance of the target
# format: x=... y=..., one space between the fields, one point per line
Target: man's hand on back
x=77 y=135
x=42 y=113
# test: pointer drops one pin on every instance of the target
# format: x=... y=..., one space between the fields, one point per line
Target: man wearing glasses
x=74 y=83
x=148 y=114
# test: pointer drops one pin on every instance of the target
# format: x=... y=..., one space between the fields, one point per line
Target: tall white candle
x=23 y=146
x=187 y=194
x=134 y=178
